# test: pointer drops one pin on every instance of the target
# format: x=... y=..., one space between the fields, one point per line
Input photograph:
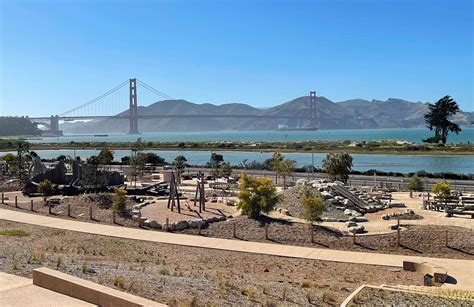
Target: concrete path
x=20 y=291
x=461 y=270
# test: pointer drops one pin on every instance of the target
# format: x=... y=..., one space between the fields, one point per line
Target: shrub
x=313 y=206
x=256 y=195
x=119 y=200
x=14 y=233
x=442 y=189
x=415 y=184
x=119 y=281
x=45 y=187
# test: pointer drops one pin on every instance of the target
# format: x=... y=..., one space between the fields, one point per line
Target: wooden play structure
x=200 y=193
x=173 y=198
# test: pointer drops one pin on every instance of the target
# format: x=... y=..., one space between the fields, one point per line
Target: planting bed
x=189 y=276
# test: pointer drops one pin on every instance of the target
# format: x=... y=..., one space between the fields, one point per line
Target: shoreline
x=369 y=148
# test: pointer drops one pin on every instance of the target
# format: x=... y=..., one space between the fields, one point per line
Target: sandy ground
x=376 y=225
x=158 y=211
x=171 y=274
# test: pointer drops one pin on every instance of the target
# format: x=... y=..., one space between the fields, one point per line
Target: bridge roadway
x=145 y=116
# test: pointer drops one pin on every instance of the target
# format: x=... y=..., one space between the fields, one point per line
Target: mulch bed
x=416 y=240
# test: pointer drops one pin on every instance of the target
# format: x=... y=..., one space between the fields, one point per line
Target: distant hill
x=349 y=114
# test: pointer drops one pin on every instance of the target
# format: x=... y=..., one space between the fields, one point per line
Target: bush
x=313 y=206
x=442 y=189
x=14 y=233
x=256 y=195
x=415 y=184
x=119 y=201
x=45 y=187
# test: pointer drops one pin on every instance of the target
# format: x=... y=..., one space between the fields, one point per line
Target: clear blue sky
x=57 y=54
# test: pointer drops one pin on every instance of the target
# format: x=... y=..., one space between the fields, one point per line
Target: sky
x=56 y=55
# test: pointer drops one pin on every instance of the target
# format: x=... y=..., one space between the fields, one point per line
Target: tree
x=338 y=166
x=226 y=169
x=106 y=155
x=256 y=195
x=313 y=206
x=137 y=161
x=92 y=176
x=10 y=126
x=275 y=164
x=152 y=158
x=286 y=168
x=179 y=163
x=45 y=188
x=415 y=183
x=119 y=200
x=215 y=163
x=22 y=159
x=438 y=119
x=442 y=189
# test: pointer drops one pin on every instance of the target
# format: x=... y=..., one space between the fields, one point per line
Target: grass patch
x=14 y=233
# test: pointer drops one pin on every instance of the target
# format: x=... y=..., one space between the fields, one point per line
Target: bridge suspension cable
x=90 y=102
x=150 y=88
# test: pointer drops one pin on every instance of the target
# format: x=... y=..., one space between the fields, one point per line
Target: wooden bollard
x=69 y=210
x=49 y=207
x=234 y=232
x=446 y=234
x=113 y=217
x=16 y=201
x=312 y=234
x=266 y=231
x=90 y=212
x=353 y=237
x=199 y=228
x=31 y=205
x=3 y=198
x=398 y=231
x=167 y=224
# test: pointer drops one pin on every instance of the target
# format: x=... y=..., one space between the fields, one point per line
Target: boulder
x=357 y=229
x=181 y=225
x=285 y=212
x=194 y=223
x=361 y=219
x=350 y=224
x=393 y=226
x=326 y=195
x=154 y=224
x=213 y=219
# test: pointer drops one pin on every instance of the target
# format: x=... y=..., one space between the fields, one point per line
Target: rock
x=285 y=212
x=181 y=225
x=301 y=182
x=393 y=226
x=351 y=212
x=329 y=219
x=345 y=202
x=194 y=223
x=360 y=219
x=397 y=205
x=351 y=224
x=266 y=270
x=341 y=208
x=135 y=211
x=357 y=229
x=213 y=219
x=91 y=271
x=385 y=217
x=154 y=224
x=326 y=195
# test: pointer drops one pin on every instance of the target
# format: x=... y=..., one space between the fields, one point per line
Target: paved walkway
x=461 y=270
x=20 y=291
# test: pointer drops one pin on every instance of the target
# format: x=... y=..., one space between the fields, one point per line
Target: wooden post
x=90 y=212
x=16 y=201
x=139 y=214
x=31 y=205
x=266 y=231
x=398 y=231
x=312 y=234
x=69 y=210
x=49 y=207
x=234 y=232
x=113 y=216
x=199 y=228
x=353 y=237
x=167 y=224
x=446 y=238
x=3 y=198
